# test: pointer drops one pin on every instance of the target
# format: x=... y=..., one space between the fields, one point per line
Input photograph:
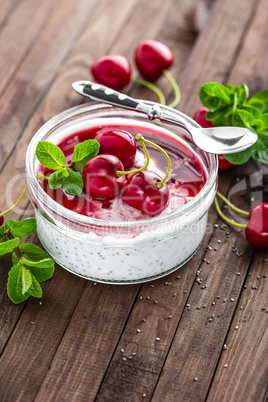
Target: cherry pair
x=105 y=176
x=151 y=59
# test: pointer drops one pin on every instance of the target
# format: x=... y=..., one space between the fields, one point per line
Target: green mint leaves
x=83 y=152
x=67 y=177
x=31 y=265
x=229 y=106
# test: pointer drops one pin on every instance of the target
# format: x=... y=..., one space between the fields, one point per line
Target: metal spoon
x=216 y=140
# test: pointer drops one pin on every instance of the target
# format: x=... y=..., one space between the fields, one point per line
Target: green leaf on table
x=3 y=236
x=73 y=184
x=22 y=284
x=264 y=138
x=15 y=259
x=83 y=152
x=9 y=245
x=21 y=228
x=37 y=260
x=49 y=155
x=260 y=100
x=240 y=157
x=242 y=93
x=214 y=95
x=221 y=117
x=260 y=156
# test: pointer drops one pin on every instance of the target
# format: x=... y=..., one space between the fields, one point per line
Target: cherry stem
x=16 y=203
x=241 y=211
x=142 y=141
x=160 y=183
x=153 y=87
x=41 y=177
x=241 y=225
x=175 y=87
x=120 y=173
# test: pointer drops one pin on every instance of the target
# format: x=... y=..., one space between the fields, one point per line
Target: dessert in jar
x=115 y=239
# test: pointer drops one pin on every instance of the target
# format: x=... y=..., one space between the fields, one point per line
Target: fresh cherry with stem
x=145 y=190
x=100 y=178
x=153 y=59
x=257 y=228
x=112 y=70
x=119 y=143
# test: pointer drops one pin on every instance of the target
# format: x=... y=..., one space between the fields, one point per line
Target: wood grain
x=18 y=36
x=27 y=85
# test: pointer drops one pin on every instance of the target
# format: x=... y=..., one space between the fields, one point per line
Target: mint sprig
x=31 y=264
x=67 y=177
x=229 y=106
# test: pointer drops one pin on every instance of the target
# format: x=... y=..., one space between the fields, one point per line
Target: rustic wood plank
x=18 y=35
x=137 y=376
x=37 y=335
x=7 y=7
x=245 y=376
x=56 y=44
x=88 y=344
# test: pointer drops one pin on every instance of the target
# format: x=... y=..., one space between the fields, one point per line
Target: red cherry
x=152 y=58
x=223 y=163
x=200 y=118
x=1 y=220
x=141 y=193
x=100 y=179
x=119 y=143
x=112 y=70
x=257 y=227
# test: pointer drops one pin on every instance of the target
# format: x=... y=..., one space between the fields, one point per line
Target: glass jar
x=118 y=252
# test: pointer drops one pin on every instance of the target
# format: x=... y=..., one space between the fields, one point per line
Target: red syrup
x=188 y=174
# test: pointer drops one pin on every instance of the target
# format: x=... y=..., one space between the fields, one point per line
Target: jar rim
x=81 y=110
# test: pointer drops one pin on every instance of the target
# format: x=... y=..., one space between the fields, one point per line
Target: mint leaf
x=3 y=236
x=49 y=155
x=83 y=152
x=240 y=157
x=26 y=279
x=242 y=92
x=73 y=184
x=21 y=228
x=8 y=246
x=22 y=284
x=214 y=95
x=37 y=260
x=260 y=100
x=14 y=258
x=55 y=180
x=260 y=156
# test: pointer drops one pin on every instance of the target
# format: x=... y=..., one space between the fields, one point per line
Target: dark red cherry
x=119 y=143
x=100 y=179
x=141 y=192
x=152 y=58
x=1 y=220
x=257 y=227
x=112 y=70
x=200 y=118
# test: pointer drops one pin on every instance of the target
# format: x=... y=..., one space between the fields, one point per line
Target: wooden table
x=155 y=341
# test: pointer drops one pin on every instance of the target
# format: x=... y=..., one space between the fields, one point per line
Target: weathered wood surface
x=70 y=346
